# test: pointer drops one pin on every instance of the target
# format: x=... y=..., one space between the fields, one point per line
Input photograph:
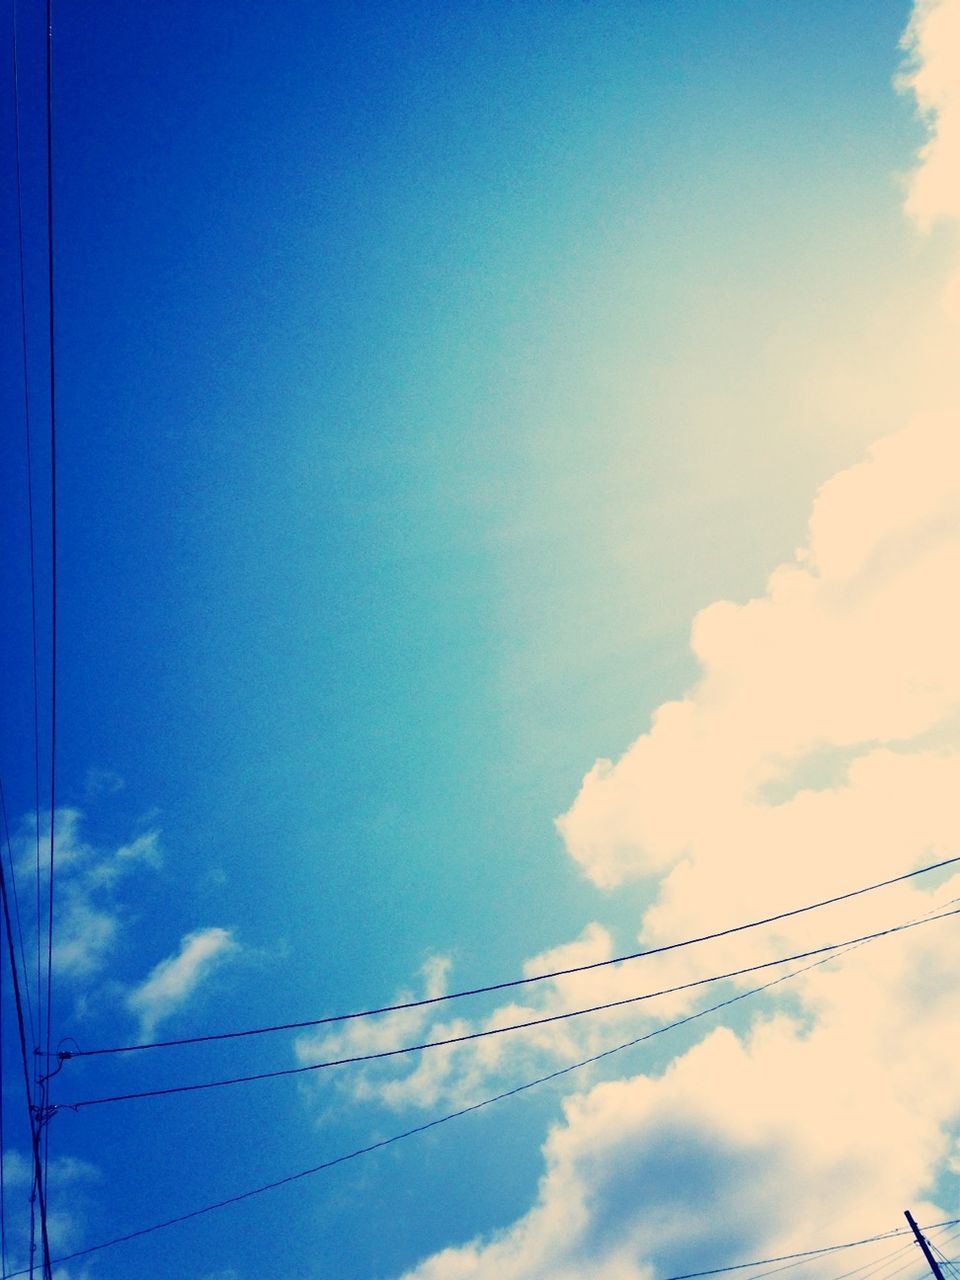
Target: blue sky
x=422 y=372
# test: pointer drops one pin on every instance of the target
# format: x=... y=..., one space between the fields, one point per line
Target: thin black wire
x=53 y=513
x=29 y=461
x=804 y=1261
x=779 y=1271
x=851 y=1244
x=35 y=1028
x=454 y=1115
x=496 y=1031
x=53 y=568
x=3 y=1136
x=875 y=1267
x=16 y=911
x=806 y=1253
x=553 y=1075
x=906 y=1266
x=947 y=1262
x=949 y=1236
x=511 y=983
x=39 y=1183
x=880 y=1269
x=23 y=961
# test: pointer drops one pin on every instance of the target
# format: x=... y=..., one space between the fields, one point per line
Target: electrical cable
x=53 y=548
x=501 y=1030
x=26 y=992
x=951 y=1235
x=880 y=1269
x=39 y=1182
x=881 y=1272
x=3 y=1136
x=454 y=1115
x=809 y=1253
x=781 y=1269
x=530 y=1084
x=53 y=585
x=947 y=1262
x=510 y=983
x=29 y=461
x=865 y=1271
x=904 y=1266
x=804 y=1255
x=17 y=918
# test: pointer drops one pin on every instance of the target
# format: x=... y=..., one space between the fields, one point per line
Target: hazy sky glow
x=509 y=514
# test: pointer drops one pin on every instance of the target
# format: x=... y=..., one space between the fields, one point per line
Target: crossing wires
x=35 y=1013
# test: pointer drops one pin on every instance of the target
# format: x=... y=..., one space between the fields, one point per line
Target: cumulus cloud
x=818 y=750
x=727 y=1155
x=174 y=980
x=816 y=753
x=847 y=662
x=932 y=45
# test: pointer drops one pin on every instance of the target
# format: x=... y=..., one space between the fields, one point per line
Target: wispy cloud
x=89 y=912
x=172 y=982
x=70 y=1182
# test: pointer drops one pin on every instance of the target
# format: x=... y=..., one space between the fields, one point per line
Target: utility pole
x=934 y=1264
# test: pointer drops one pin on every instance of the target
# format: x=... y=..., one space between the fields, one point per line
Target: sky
x=508 y=515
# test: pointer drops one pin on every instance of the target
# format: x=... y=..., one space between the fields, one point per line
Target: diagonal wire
x=444 y=1119
x=828 y=950
x=3 y=1136
x=29 y=460
x=530 y=1084
x=39 y=1182
x=53 y=584
x=947 y=1262
x=513 y=982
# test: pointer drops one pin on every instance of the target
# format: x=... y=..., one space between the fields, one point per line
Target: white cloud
x=733 y=1153
x=851 y=650
x=932 y=44
x=818 y=750
x=172 y=982
x=70 y=1202
x=89 y=918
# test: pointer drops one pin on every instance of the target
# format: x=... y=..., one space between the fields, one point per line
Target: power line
x=947 y=1262
x=805 y=1253
x=808 y=1253
x=950 y=1234
x=16 y=914
x=530 y=1084
x=53 y=581
x=39 y=1182
x=53 y=516
x=454 y=1115
x=29 y=462
x=3 y=1136
x=879 y=1268
x=866 y=1269
x=510 y=983
x=495 y=1031
x=23 y=957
